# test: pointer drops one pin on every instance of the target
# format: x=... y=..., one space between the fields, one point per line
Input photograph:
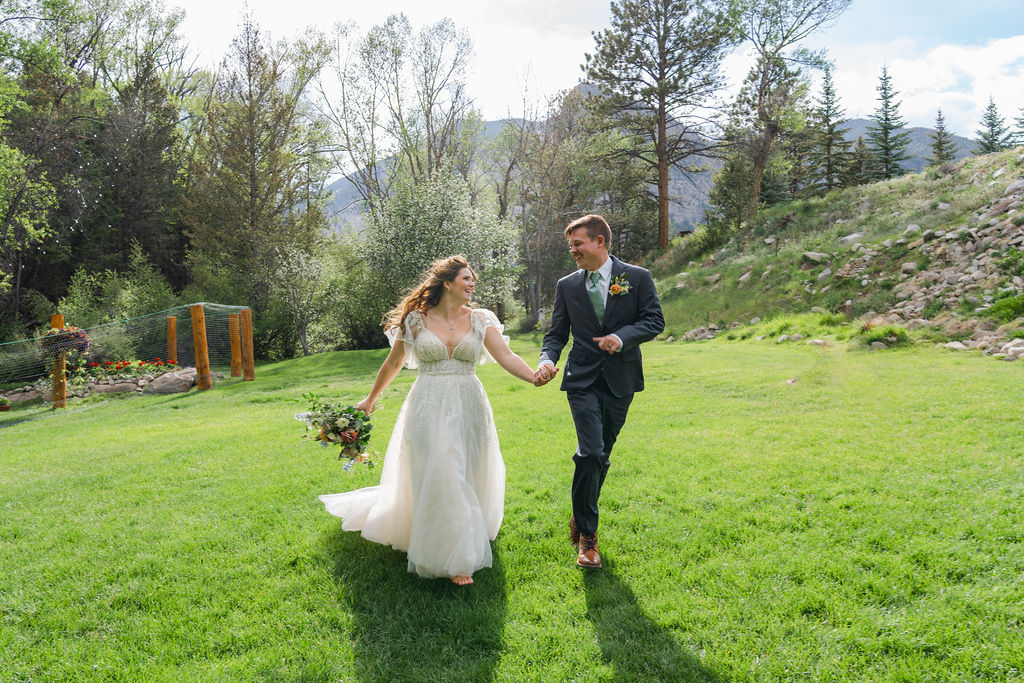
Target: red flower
x=349 y=435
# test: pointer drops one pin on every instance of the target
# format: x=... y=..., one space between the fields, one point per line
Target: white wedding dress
x=441 y=495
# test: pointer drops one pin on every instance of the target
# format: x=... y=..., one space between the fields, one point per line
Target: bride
x=442 y=487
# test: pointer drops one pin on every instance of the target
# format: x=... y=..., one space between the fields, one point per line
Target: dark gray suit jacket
x=635 y=316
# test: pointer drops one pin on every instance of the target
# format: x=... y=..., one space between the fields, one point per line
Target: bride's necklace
x=451 y=326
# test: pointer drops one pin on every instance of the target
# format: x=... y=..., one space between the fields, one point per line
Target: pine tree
x=859 y=170
x=888 y=142
x=1018 y=134
x=830 y=152
x=942 y=145
x=657 y=65
x=994 y=135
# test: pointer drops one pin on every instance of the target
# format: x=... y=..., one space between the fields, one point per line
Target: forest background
x=132 y=180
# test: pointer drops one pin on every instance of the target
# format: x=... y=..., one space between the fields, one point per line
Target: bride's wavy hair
x=428 y=292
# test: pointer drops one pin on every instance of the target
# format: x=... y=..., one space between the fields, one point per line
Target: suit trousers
x=599 y=415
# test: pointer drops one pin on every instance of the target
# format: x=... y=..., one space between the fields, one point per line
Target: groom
x=610 y=308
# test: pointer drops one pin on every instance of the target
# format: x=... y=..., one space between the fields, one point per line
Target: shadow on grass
x=413 y=629
x=636 y=647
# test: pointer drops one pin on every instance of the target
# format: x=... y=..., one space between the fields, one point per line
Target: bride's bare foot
x=462 y=580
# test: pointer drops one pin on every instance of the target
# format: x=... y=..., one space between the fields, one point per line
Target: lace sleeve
x=407 y=335
x=482 y=319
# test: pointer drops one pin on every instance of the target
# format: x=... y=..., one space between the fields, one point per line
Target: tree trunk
x=662 y=181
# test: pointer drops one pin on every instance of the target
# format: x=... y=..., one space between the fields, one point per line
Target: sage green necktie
x=594 y=292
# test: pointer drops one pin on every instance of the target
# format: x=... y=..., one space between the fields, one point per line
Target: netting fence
x=164 y=335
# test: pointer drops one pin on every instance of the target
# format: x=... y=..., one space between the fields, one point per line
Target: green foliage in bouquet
x=344 y=426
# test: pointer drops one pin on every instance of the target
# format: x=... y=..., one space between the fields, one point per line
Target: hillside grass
x=878 y=211
x=861 y=523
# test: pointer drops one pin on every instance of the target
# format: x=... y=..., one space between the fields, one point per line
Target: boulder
x=850 y=239
x=22 y=396
x=908 y=268
x=824 y=274
x=815 y=257
x=173 y=382
x=1016 y=187
x=116 y=388
x=955 y=346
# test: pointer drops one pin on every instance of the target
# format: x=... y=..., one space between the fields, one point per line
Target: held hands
x=544 y=374
x=609 y=343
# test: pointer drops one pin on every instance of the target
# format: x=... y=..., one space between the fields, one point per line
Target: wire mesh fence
x=145 y=338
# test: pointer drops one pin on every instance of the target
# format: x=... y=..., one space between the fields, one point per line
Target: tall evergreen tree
x=888 y=141
x=994 y=135
x=1017 y=136
x=860 y=169
x=942 y=145
x=658 y=67
x=830 y=152
x=1018 y=133
x=250 y=201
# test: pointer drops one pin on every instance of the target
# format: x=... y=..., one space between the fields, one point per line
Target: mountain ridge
x=689 y=194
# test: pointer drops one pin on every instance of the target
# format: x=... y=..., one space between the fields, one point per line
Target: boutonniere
x=619 y=285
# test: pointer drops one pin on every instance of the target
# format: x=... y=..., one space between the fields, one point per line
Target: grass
x=861 y=523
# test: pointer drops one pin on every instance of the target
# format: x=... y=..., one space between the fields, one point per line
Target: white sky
x=940 y=53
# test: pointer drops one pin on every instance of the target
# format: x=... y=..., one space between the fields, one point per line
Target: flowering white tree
x=429 y=220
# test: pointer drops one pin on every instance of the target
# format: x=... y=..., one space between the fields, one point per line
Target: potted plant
x=5 y=404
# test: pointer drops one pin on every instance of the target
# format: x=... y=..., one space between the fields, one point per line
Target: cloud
x=959 y=79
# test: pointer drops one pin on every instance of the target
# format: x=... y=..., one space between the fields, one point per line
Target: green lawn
x=863 y=523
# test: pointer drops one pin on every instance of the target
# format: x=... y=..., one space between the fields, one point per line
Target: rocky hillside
x=939 y=253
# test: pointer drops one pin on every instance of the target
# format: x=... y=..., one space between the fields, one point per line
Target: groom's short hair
x=594 y=224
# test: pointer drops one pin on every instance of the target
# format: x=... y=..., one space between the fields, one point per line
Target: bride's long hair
x=429 y=291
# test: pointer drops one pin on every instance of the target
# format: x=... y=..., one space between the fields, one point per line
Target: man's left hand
x=609 y=343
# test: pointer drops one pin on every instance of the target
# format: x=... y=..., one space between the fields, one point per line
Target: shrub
x=1012 y=262
x=1007 y=309
x=832 y=320
x=890 y=335
x=932 y=308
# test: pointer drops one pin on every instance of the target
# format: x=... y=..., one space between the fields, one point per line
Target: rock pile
x=179 y=381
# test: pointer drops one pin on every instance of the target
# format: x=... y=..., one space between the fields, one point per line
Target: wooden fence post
x=248 y=362
x=199 y=345
x=236 y=345
x=59 y=374
x=172 y=340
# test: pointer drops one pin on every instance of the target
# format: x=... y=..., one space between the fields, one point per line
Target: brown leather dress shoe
x=574 y=535
x=588 y=557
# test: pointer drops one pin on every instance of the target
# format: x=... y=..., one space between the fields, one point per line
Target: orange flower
x=615 y=289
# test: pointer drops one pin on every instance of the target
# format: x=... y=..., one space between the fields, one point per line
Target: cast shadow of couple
x=407 y=628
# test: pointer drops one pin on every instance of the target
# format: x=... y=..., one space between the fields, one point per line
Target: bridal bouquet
x=344 y=426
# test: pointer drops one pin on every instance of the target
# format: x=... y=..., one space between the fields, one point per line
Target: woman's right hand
x=366 y=405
